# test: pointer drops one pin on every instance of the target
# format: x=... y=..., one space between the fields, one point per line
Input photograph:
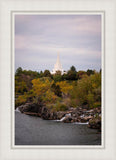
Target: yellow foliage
x=21 y=100
x=49 y=97
x=94 y=85
x=65 y=87
x=42 y=89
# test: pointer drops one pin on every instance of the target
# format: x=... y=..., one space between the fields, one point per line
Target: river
x=30 y=130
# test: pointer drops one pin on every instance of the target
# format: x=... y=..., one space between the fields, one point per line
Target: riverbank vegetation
x=58 y=92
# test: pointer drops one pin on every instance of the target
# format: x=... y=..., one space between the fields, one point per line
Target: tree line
x=58 y=91
x=71 y=74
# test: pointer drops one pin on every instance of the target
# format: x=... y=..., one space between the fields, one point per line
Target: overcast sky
x=38 y=39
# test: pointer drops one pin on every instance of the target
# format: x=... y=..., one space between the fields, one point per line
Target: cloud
x=38 y=38
x=53 y=23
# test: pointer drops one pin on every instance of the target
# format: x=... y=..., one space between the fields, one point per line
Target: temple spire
x=57 y=66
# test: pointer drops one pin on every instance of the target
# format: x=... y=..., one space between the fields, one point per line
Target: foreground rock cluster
x=79 y=114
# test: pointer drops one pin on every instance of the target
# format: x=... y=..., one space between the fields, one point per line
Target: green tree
x=73 y=69
x=71 y=75
x=57 y=77
x=87 y=90
x=56 y=89
x=64 y=76
x=89 y=72
x=47 y=73
x=58 y=73
x=18 y=71
x=41 y=74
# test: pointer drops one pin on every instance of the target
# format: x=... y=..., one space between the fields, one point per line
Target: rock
x=41 y=111
x=67 y=119
x=32 y=114
x=86 y=118
x=78 y=114
x=30 y=107
x=60 y=114
x=95 y=123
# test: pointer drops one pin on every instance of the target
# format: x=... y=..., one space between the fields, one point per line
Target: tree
x=89 y=72
x=47 y=73
x=87 y=90
x=18 y=71
x=42 y=90
x=100 y=71
x=57 y=77
x=20 y=87
x=73 y=68
x=41 y=74
x=49 y=97
x=71 y=75
x=56 y=89
x=58 y=73
x=65 y=87
x=90 y=99
x=64 y=76
x=80 y=74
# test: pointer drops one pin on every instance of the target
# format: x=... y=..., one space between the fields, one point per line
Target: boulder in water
x=95 y=123
x=30 y=107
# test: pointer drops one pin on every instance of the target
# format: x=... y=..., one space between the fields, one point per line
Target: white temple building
x=58 y=66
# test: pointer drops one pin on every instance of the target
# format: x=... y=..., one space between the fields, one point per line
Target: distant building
x=58 y=67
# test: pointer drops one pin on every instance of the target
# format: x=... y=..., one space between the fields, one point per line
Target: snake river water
x=30 y=130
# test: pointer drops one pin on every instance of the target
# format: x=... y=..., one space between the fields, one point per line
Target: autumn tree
x=20 y=87
x=81 y=74
x=65 y=87
x=87 y=90
x=42 y=90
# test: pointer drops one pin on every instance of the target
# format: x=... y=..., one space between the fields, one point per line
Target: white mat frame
x=7 y=149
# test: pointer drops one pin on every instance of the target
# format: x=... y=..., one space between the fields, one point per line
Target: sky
x=38 y=39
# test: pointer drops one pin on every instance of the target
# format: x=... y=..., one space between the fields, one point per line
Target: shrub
x=87 y=90
x=21 y=100
x=75 y=102
x=96 y=104
x=90 y=99
x=60 y=107
x=67 y=101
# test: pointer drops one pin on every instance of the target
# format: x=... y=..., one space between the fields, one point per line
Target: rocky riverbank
x=79 y=114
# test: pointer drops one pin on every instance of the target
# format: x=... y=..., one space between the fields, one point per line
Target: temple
x=58 y=67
